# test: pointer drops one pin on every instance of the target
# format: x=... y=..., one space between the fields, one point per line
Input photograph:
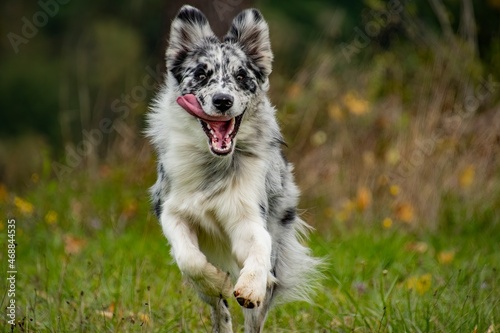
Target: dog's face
x=218 y=81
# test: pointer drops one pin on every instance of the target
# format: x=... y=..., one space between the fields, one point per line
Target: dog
x=225 y=194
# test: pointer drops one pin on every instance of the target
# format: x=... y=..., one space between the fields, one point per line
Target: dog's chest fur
x=214 y=195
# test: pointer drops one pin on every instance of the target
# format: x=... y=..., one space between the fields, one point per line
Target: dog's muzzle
x=221 y=130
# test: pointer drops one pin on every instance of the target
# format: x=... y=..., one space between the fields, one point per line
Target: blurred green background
x=387 y=106
x=391 y=113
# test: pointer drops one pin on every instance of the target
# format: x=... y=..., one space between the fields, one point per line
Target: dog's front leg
x=207 y=278
x=251 y=245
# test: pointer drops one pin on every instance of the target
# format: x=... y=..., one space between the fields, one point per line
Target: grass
x=91 y=258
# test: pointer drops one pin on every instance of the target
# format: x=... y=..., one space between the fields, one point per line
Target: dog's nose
x=222 y=101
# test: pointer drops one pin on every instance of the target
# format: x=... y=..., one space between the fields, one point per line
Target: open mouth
x=220 y=130
x=221 y=134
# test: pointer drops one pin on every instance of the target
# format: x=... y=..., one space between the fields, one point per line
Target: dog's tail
x=297 y=271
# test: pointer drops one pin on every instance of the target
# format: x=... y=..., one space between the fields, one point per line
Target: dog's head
x=218 y=81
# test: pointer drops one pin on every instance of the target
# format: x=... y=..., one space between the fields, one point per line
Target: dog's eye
x=241 y=76
x=200 y=75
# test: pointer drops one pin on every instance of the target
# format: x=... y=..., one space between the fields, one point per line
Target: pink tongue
x=190 y=103
x=220 y=126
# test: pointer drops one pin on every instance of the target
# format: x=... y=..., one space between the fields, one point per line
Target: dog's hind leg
x=221 y=317
x=255 y=318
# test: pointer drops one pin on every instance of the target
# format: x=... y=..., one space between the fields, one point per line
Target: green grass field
x=91 y=258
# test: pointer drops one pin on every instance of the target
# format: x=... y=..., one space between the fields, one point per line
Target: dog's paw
x=213 y=282
x=250 y=289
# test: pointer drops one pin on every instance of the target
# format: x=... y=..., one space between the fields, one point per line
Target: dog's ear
x=189 y=29
x=251 y=32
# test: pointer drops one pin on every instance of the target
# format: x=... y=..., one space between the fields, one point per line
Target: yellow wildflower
x=394 y=190
x=404 y=211
x=23 y=206
x=446 y=257
x=466 y=177
x=51 y=217
x=363 y=198
x=335 y=112
x=144 y=317
x=424 y=283
x=387 y=223
x=355 y=105
x=420 y=284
